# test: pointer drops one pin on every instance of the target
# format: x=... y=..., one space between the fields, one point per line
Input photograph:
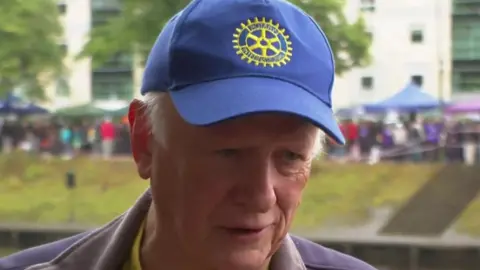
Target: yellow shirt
x=133 y=263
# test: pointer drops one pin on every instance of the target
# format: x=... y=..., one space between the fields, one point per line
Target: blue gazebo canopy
x=15 y=105
x=410 y=98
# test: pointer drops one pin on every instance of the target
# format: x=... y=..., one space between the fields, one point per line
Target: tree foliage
x=140 y=22
x=350 y=41
x=30 y=55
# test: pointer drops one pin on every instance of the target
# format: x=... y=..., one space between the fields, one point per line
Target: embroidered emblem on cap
x=263 y=43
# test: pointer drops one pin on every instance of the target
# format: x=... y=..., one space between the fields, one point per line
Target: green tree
x=350 y=41
x=140 y=21
x=30 y=55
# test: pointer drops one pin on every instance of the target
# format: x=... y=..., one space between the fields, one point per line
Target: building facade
x=465 y=49
x=434 y=43
x=75 y=87
x=411 y=42
x=83 y=83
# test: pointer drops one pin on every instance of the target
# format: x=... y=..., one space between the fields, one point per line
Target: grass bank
x=33 y=190
x=6 y=252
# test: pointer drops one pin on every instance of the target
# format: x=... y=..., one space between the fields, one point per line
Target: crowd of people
x=104 y=138
x=414 y=140
x=368 y=140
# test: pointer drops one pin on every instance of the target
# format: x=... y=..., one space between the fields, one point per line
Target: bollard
x=70 y=180
x=71 y=184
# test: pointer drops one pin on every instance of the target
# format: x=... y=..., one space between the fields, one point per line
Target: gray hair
x=155 y=115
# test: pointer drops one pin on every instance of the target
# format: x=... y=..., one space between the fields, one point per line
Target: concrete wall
x=387 y=254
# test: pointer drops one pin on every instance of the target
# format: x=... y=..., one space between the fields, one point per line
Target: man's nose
x=256 y=189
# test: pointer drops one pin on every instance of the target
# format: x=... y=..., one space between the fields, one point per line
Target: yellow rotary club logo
x=263 y=43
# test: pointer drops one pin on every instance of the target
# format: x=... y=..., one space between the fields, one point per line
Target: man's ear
x=140 y=135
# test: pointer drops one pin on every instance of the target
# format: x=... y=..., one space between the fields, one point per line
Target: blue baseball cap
x=220 y=59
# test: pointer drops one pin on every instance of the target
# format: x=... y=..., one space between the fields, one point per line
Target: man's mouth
x=245 y=231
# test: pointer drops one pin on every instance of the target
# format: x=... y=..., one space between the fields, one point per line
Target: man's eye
x=292 y=156
x=229 y=152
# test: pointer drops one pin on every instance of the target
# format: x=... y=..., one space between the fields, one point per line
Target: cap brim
x=211 y=102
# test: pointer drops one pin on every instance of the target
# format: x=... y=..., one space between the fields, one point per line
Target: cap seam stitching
x=332 y=60
x=177 y=30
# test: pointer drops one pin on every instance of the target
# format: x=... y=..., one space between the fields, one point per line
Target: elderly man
x=237 y=99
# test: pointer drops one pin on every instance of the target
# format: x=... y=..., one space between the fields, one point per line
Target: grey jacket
x=108 y=247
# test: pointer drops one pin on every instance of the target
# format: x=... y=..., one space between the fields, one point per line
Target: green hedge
x=33 y=190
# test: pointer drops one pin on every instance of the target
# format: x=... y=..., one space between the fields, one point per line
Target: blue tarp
x=410 y=98
x=14 y=105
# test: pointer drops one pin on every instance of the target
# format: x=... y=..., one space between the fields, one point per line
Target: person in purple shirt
x=237 y=104
x=387 y=137
x=433 y=131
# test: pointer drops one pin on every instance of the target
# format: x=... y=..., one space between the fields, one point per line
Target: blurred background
x=402 y=195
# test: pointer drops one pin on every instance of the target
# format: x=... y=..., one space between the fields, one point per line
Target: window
x=416 y=36
x=369 y=35
x=106 y=86
x=113 y=5
x=466 y=81
x=62 y=7
x=62 y=88
x=367 y=83
x=100 y=18
x=367 y=5
x=417 y=80
x=63 y=48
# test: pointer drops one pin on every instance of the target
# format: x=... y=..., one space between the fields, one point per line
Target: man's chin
x=243 y=259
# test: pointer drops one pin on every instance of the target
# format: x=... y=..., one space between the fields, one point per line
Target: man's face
x=228 y=192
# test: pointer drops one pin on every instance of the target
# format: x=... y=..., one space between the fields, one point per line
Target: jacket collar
x=108 y=247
